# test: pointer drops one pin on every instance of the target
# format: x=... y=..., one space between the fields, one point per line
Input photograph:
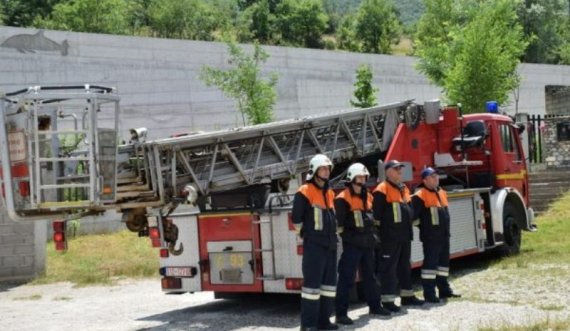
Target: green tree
x=564 y=53
x=271 y=4
x=409 y=11
x=471 y=49
x=255 y=95
x=346 y=35
x=377 y=26
x=364 y=92
x=101 y=16
x=138 y=17
x=301 y=22
x=541 y=21
x=434 y=37
x=184 y=19
x=563 y=50
x=256 y=23
x=2 y=17
x=23 y=12
x=337 y=11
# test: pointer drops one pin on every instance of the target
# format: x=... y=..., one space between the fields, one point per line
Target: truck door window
x=517 y=147
x=506 y=138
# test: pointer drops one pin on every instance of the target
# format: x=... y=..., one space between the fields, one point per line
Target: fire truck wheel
x=512 y=230
x=135 y=220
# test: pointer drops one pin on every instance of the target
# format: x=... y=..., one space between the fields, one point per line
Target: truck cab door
x=512 y=171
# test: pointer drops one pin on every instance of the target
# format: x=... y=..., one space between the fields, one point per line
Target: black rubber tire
x=511 y=230
x=137 y=223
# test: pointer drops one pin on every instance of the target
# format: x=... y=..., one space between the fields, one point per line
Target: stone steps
x=546 y=186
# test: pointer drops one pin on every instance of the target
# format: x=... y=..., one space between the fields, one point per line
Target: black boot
x=450 y=294
x=380 y=311
x=412 y=301
x=309 y=328
x=329 y=326
x=444 y=288
x=431 y=298
x=391 y=307
x=344 y=320
x=429 y=291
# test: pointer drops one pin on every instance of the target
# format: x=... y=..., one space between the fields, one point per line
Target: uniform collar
x=433 y=191
x=400 y=186
x=317 y=186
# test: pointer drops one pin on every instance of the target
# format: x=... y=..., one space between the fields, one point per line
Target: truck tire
x=511 y=230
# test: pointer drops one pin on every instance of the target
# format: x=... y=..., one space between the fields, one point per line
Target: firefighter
x=314 y=221
x=393 y=215
x=356 y=228
x=430 y=205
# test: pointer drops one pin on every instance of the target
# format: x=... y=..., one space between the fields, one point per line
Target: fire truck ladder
x=238 y=161
x=46 y=176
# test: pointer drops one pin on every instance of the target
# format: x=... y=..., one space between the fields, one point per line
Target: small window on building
x=563 y=131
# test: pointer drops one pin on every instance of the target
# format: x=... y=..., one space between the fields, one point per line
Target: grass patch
x=550 y=325
x=33 y=297
x=100 y=259
x=550 y=243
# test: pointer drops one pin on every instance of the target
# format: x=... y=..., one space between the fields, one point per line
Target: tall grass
x=101 y=259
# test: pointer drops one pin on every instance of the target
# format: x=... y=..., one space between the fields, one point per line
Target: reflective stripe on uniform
x=376 y=222
x=396 y=211
x=428 y=274
x=434 y=211
x=328 y=291
x=406 y=293
x=310 y=293
x=358 y=221
x=318 y=217
x=443 y=271
x=340 y=229
x=388 y=298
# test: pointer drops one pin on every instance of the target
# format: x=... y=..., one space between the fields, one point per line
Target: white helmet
x=356 y=169
x=319 y=160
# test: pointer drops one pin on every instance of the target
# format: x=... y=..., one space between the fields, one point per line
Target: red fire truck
x=217 y=205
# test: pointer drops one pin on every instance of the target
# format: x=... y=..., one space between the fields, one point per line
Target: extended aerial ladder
x=61 y=160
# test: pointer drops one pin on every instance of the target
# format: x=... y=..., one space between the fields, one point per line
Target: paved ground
x=492 y=297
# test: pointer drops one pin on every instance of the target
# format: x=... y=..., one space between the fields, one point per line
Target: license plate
x=179 y=272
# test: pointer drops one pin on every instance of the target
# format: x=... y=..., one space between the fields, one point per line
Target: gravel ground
x=495 y=297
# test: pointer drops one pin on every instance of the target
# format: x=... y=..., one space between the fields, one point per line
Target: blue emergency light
x=492 y=107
